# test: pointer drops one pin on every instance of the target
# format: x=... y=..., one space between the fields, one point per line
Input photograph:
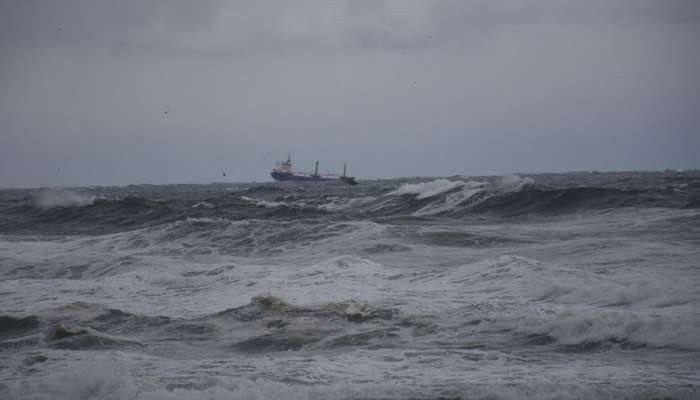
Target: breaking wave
x=100 y=211
x=578 y=285
x=592 y=329
x=512 y=195
x=426 y=190
x=443 y=197
x=58 y=197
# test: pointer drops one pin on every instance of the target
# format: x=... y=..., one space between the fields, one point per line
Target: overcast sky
x=396 y=88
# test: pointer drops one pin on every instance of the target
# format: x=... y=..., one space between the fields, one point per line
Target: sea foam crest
x=512 y=182
x=452 y=200
x=263 y=203
x=593 y=326
x=425 y=190
x=203 y=204
x=340 y=205
x=59 y=197
x=457 y=192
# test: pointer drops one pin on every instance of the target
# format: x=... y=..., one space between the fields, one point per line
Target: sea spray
x=59 y=197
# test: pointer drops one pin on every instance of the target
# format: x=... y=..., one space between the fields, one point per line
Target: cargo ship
x=283 y=172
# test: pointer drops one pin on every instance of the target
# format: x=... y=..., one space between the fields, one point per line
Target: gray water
x=548 y=286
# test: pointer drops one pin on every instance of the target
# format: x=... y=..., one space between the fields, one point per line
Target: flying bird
x=166 y=111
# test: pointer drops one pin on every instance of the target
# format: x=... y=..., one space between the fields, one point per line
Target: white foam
x=59 y=197
x=203 y=204
x=264 y=203
x=339 y=205
x=100 y=378
x=363 y=374
x=574 y=326
x=512 y=182
x=299 y=204
x=454 y=198
x=426 y=190
x=201 y=220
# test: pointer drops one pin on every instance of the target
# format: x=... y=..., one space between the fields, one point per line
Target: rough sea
x=547 y=286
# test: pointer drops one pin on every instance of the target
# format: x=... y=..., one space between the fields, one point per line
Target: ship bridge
x=284 y=166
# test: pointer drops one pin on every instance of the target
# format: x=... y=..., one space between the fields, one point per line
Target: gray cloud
x=328 y=25
x=397 y=87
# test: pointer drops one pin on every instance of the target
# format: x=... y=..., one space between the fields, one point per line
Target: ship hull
x=283 y=176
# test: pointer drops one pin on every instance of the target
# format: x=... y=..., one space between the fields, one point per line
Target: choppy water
x=546 y=286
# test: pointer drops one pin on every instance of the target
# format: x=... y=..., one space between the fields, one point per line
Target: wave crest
x=266 y=305
x=594 y=328
x=446 y=197
x=425 y=190
x=59 y=197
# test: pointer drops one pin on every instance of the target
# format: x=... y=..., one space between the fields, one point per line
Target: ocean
x=544 y=286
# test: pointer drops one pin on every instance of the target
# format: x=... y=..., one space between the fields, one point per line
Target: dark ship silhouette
x=283 y=172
